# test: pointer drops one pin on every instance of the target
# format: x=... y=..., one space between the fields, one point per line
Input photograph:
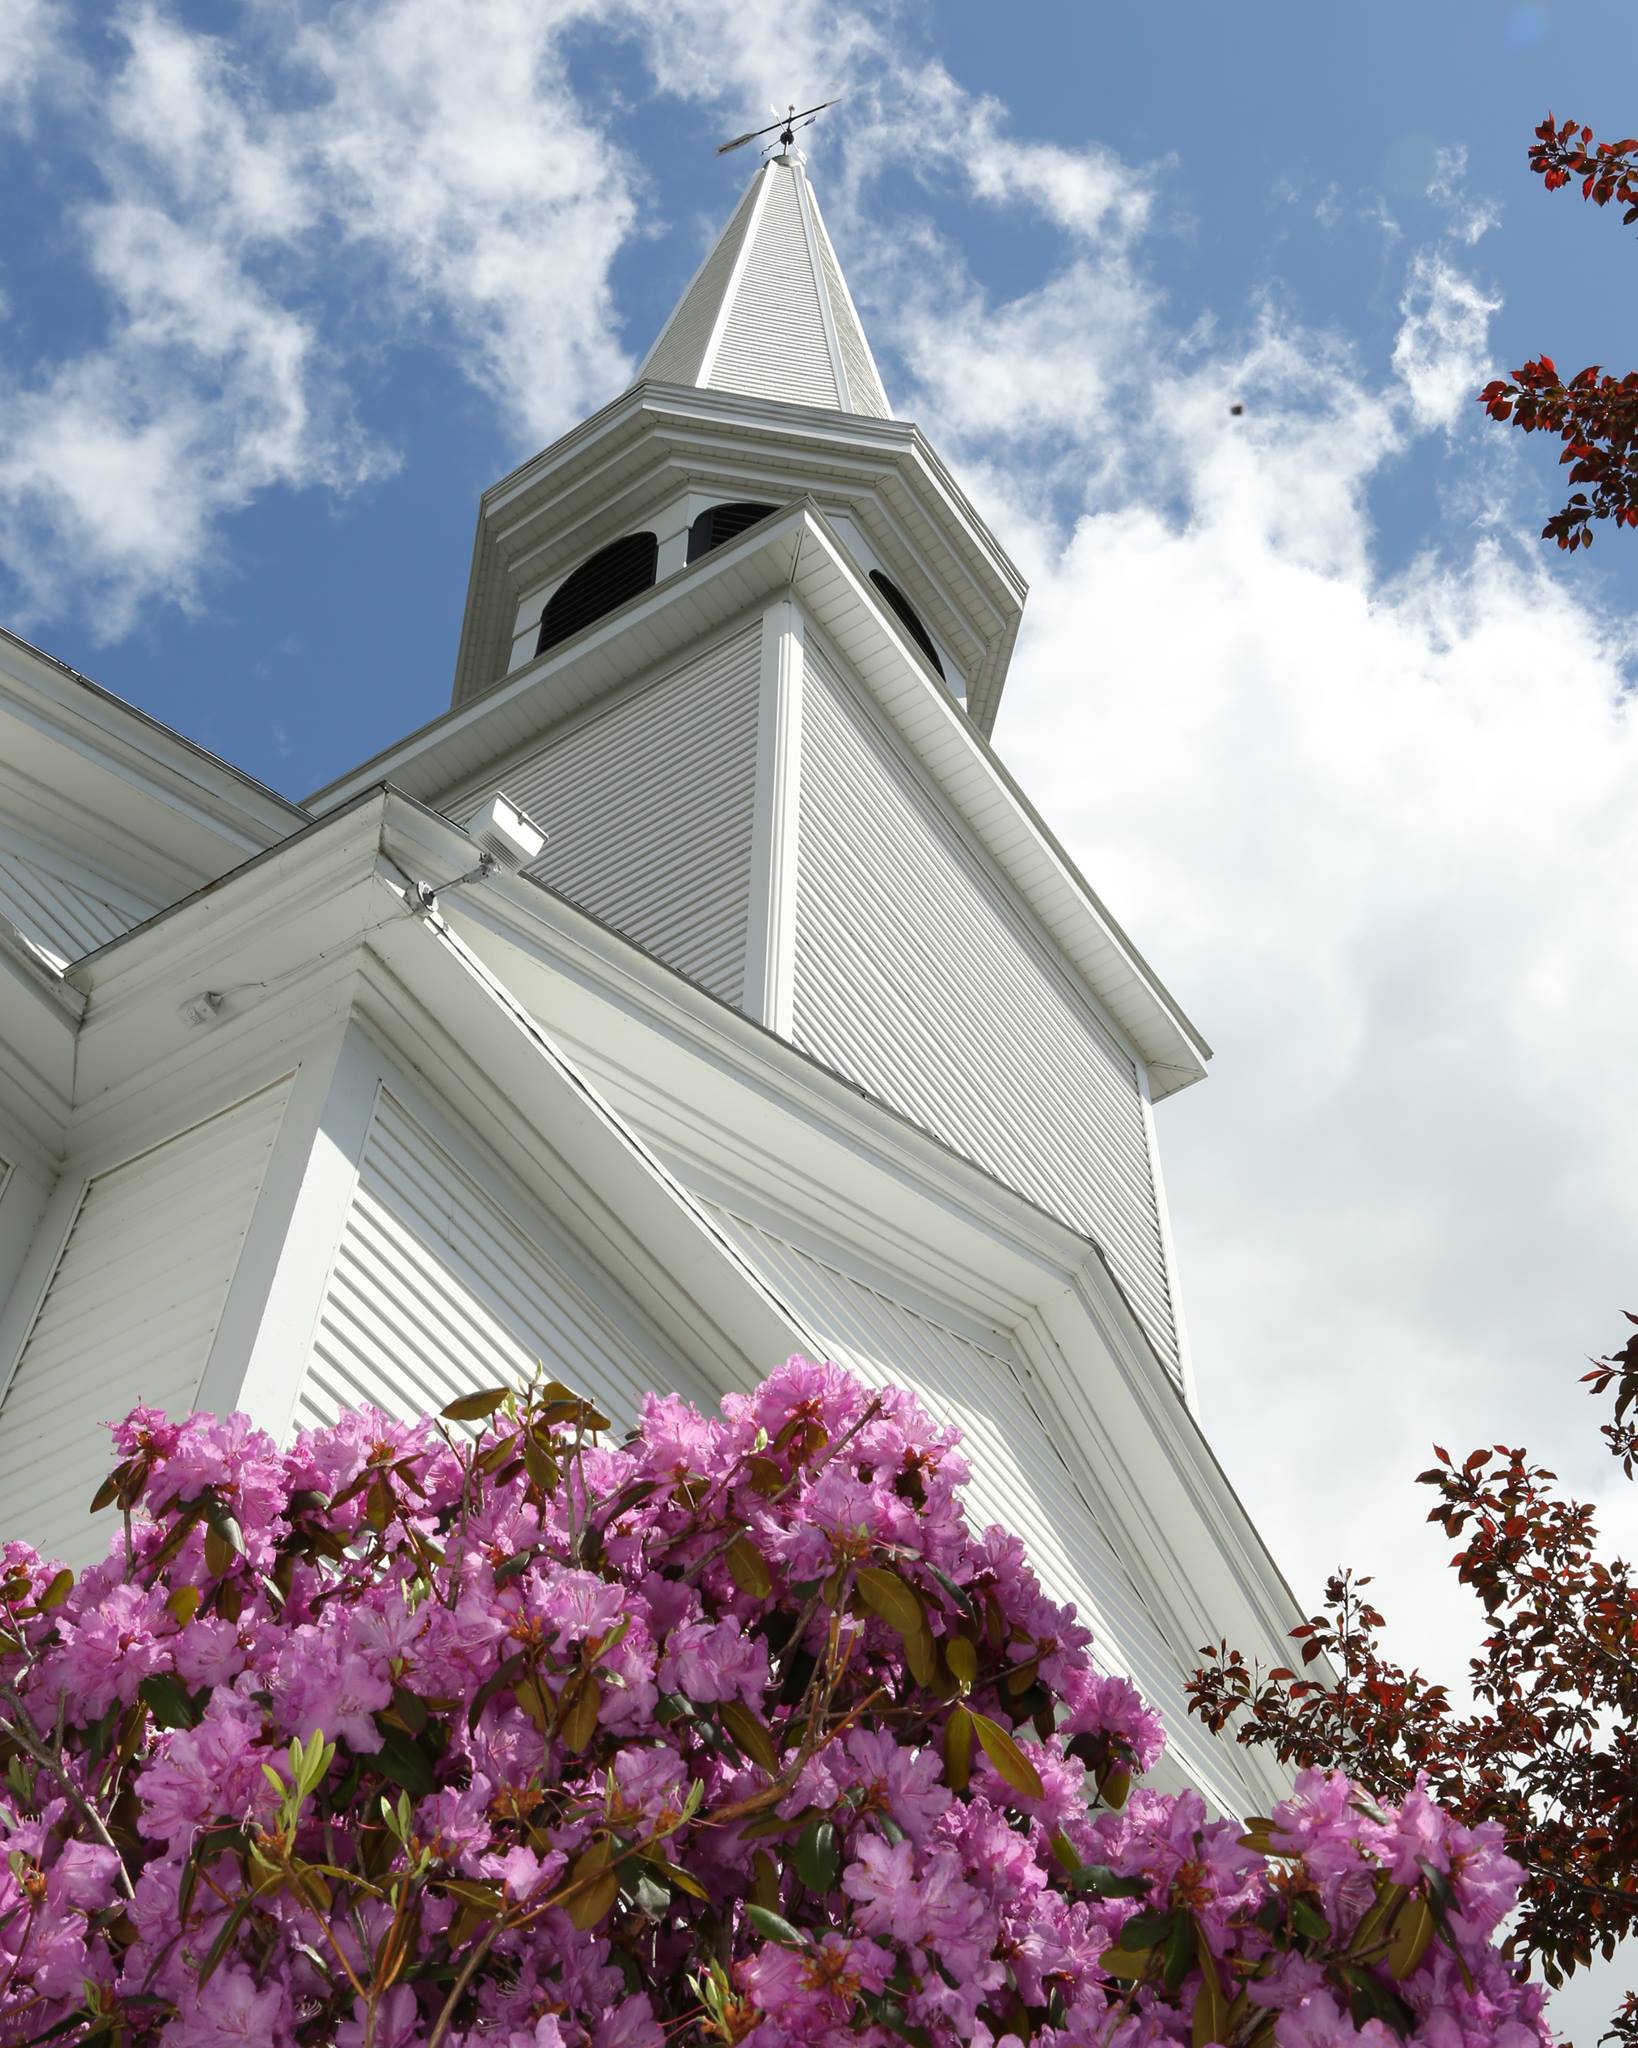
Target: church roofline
x=798 y=551
x=88 y=711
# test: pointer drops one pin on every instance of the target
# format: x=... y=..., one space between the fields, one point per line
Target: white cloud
x=1376 y=831
x=452 y=147
x=1466 y=218
x=1371 y=828
x=1441 y=352
x=205 y=388
x=31 y=46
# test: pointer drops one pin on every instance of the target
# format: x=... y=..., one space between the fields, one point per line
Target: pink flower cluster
x=427 y=1737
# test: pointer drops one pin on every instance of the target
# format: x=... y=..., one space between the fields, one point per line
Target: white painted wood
x=442 y=1285
x=1021 y=1477
x=916 y=975
x=740 y=239
x=1168 y=1248
x=864 y=383
x=775 y=343
x=267 y=1325
x=128 y=1315
x=768 y=313
x=24 y=1194
x=648 y=804
x=769 y=949
x=684 y=345
x=57 y=913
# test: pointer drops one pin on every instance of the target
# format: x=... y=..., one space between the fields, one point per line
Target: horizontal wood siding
x=1019 y=1477
x=648 y=802
x=916 y=975
x=439 y=1289
x=128 y=1316
x=64 y=918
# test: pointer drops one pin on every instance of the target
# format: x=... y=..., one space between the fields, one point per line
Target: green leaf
x=1148 y=1930
x=405 y=1762
x=958 y=1749
x=511 y=1669
x=1412 y=1936
x=1121 y=1961
x=58 y=1591
x=1307 y=1918
x=957 y=1593
x=775 y=1927
x=166 y=1699
x=222 y=1521
x=229 y=1929
x=1370 y=1999
x=962 y=1660
x=886 y=1594
x=1180 y=1952
x=815 y=1856
x=1104 y=1883
x=675 y=1875
x=1007 y=1757
x=749 y=1735
x=474 y=1407
x=748 y=1568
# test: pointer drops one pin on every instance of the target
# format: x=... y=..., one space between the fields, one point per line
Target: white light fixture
x=510 y=836
x=507 y=839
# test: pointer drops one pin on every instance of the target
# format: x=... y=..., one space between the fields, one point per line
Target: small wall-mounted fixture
x=508 y=839
x=203 y=1008
x=510 y=835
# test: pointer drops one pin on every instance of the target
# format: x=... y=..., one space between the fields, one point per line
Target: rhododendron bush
x=487 y=1730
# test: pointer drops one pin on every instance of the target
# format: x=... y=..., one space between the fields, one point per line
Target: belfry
x=699 y=988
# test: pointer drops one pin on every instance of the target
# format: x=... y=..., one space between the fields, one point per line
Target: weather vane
x=787 y=125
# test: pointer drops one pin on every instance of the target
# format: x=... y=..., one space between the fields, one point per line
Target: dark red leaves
x=1595 y=416
x=1548 y=1746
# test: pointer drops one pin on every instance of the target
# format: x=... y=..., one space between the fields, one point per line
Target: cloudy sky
x=284 y=285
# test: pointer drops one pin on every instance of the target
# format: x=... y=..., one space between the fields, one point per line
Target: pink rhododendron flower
x=602 y=1745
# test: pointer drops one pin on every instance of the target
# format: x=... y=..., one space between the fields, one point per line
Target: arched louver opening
x=619 y=571
x=900 y=606
x=720 y=523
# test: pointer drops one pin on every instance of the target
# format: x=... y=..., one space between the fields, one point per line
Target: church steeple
x=768 y=313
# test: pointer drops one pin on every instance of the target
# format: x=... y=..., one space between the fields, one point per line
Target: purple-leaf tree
x=486 y=1730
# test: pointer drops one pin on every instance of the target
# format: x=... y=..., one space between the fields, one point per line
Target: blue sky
x=285 y=286
x=1288 y=151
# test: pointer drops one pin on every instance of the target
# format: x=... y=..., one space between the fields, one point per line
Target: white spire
x=769 y=312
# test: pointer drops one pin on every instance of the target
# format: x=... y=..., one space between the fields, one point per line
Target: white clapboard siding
x=1019 y=1477
x=915 y=975
x=128 y=1316
x=438 y=1289
x=774 y=344
x=864 y=386
x=65 y=919
x=648 y=803
x=679 y=354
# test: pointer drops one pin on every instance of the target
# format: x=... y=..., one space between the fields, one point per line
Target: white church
x=697 y=989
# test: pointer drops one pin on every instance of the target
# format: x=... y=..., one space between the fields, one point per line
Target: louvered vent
x=723 y=523
x=902 y=609
x=622 y=570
